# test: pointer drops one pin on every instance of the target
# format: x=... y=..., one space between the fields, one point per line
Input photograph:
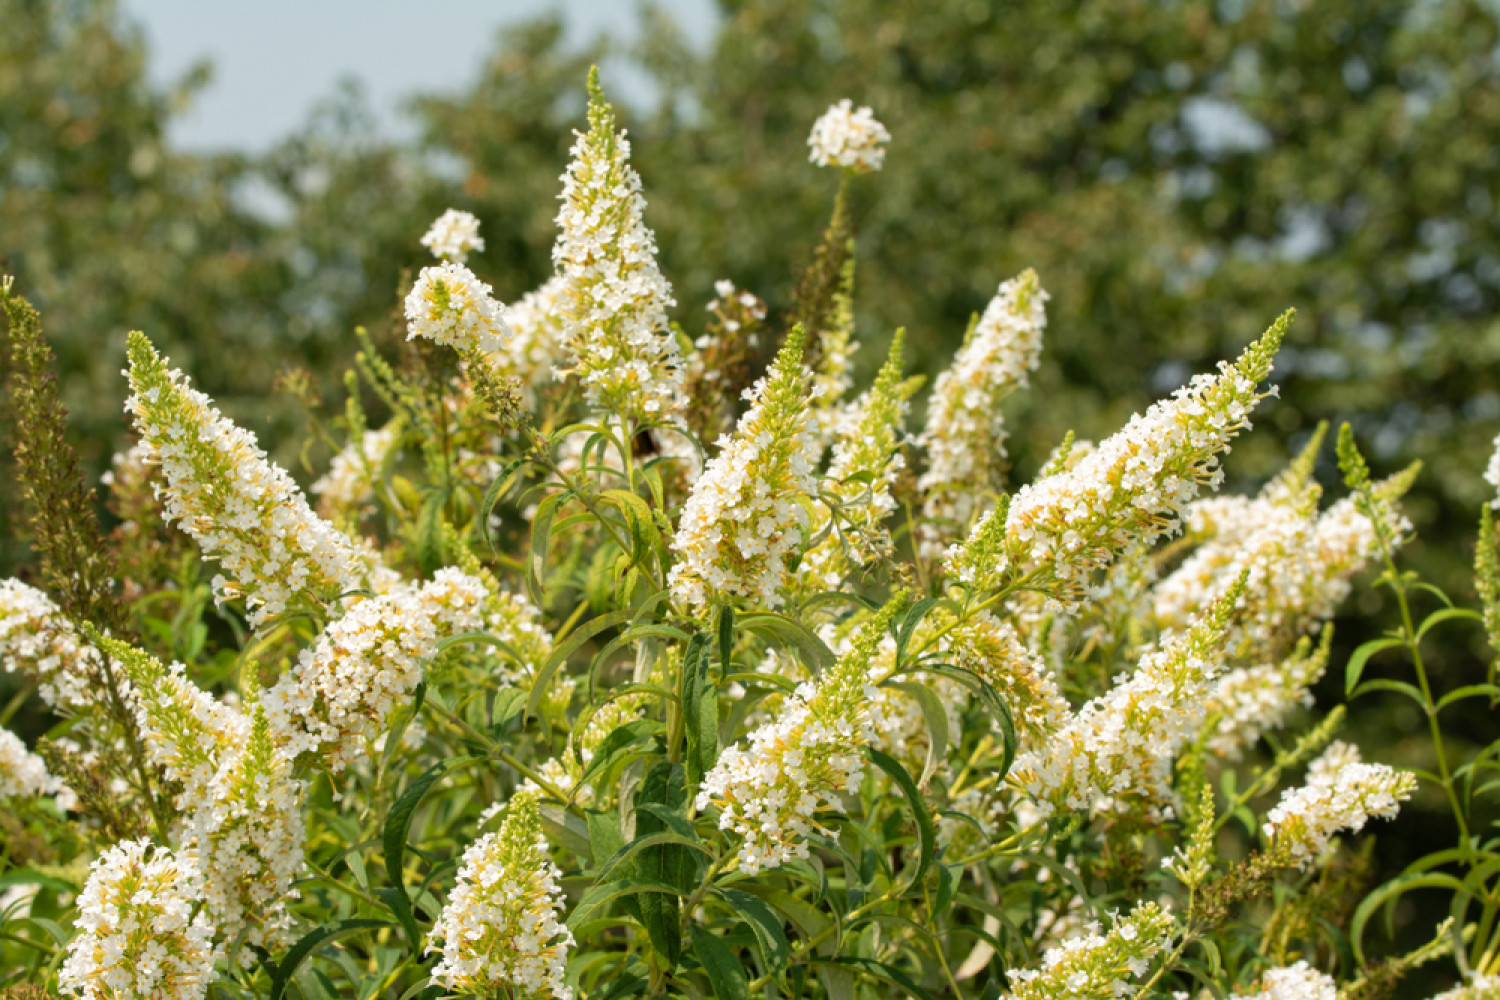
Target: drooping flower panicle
x=363 y=665
x=1342 y=793
x=241 y=508
x=1098 y=966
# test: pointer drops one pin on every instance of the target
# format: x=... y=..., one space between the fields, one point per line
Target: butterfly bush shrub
x=594 y=666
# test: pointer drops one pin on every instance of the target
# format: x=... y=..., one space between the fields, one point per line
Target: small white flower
x=453 y=236
x=847 y=138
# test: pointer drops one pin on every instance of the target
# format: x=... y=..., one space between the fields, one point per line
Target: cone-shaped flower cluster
x=965 y=435
x=1248 y=701
x=614 y=303
x=36 y=640
x=349 y=483
x=453 y=236
x=1293 y=982
x=769 y=793
x=366 y=663
x=846 y=138
x=866 y=460
x=449 y=305
x=242 y=806
x=748 y=510
x=1097 y=966
x=535 y=346
x=1135 y=485
x=1341 y=793
x=138 y=938
x=500 y=928
x=1117 y=752
x=241 y=509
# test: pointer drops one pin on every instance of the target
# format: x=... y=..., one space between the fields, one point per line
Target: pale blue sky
x=273 y=59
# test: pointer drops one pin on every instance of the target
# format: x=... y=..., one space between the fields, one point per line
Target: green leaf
x=936 y=717
x=509 y=703
x=882 y=970
x=430 y=532
x=700 y=708
x=1469 y=691
x=792 y=634
x=492 y=497
x=926 y=832
x=600 y=895
x=1445 y=615
x=726 y=637
x=310 y=942
x=725 y=973
x=1357 y=660
x=618 y=743
x=569 y=646
x=908 y=626
x=1389 y=893
x=671 y=863
x=397 y=826
x=541 y=535
x=763 y=922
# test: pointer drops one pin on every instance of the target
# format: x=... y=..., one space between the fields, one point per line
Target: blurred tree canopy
x=1178 y=173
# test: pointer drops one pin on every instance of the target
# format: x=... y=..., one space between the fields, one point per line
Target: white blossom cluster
x=340 y=691
x=748 y=510
x=1249 y=701
x=1095 y=965
x=349 y=484
x=803 y=761
x=22 y=773
x=1299 y=981
x=1134 y=487
x=1117 y=751
x=846 y=138
x=453 y=236
x=38 y=641
x=241 y=509
x=500 y=928
x=137 y=937
x=1479 y=987
x=614 y=299
x=240 y=805
x=450 y=305
x=535 y=347
x=1492 y=472
x=965 y=433
x=1341 y=793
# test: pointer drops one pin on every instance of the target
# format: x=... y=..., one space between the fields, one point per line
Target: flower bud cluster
x=453 y=236
x=1341 y=793
x=846 y=138
x=1098 y=966
x=449 y=305
x=965 y=434
x=1293 y=982
x=500 y=928
x=38 y=641
x=22 y=773
x=239 y=507
x=748 y=510
x=340 y=691
x=137 y=936
x=349 y=484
